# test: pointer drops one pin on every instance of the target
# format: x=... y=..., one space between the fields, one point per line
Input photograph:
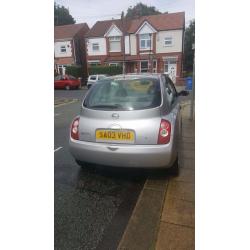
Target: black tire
x=67 y=87
x=174 y=170
x=91 y=168
x=80 y=163
x=89 y=86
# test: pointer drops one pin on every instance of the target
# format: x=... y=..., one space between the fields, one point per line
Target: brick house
x=69 y=46
x=146 y=44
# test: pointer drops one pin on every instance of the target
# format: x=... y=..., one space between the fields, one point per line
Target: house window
x=114 y=64
x=115 y=44
x=95 y=46
x=93 y=63
x=145 y=41
x=63 y=49
x=168 y=41
x=144 y=66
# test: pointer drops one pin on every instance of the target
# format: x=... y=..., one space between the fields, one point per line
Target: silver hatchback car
x=129 y=121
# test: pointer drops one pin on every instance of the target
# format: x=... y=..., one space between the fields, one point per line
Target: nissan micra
x=129 y=121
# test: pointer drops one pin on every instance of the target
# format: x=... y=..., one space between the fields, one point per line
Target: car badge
x=115 y=116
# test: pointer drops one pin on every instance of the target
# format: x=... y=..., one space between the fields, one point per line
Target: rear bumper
x=137 y=156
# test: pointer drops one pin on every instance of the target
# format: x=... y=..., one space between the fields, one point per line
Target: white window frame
x=63 y=49
x=168 y=41
x=146 y=47
x=114 y=64
x=168 y=61
x=95 y=46
x=115 y=39
x=94 y=63
x=141 y=67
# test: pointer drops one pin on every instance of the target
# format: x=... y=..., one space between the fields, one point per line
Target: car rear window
x=124 y=94
x=92 y=78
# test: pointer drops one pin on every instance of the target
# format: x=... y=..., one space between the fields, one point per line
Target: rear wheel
x=85 y=165
x=174 y=170
x=89 y=86
x=80 y=163
x=67 y=87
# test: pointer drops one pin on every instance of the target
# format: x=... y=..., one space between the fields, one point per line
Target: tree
x=62 y=16
x=188 y=46
x=141 y=9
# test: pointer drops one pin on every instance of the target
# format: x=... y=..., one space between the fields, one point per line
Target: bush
x=76 y=71
x=105 y=69
x=187 y=73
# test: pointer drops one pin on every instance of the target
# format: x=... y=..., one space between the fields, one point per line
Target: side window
x=93 y=78
x=170 y=90
x=171 y=85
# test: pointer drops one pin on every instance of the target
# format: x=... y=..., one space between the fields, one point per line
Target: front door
x=61 y=69
x=130 y=67
x=172 y=72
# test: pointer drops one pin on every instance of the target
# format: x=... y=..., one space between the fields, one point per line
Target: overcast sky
x=90 y=11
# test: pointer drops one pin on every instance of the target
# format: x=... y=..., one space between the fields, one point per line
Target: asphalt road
x=92 y=205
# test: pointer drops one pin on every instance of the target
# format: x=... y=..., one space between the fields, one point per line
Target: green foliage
x=187 y=73
x=105 y=69
x=188 y=46
x=62 y=16
x=141 y=9
x=76 y=71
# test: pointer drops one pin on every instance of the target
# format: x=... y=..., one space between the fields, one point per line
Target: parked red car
x=66 y=82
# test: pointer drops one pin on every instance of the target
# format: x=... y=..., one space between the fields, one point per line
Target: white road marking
x=57 y=149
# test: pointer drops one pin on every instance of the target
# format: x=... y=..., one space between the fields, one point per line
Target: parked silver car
x=129 y=121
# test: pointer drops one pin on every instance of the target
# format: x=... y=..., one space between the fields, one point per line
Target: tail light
x=164 y=132
x=74 y=132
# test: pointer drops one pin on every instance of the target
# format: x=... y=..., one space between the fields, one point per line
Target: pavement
x=164 y=215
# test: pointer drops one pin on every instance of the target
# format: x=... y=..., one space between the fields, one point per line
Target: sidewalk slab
x=187 y=139
x=142 y=228
x=187 y=163
x=181 y=190
x=178 y=212
x=190 y=154
x=185 y=175
x=187 y=145
x=175 y=237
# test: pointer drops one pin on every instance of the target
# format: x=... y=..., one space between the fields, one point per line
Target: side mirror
x=183 y=93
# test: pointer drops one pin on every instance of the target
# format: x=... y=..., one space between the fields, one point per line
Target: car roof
x=135 y=75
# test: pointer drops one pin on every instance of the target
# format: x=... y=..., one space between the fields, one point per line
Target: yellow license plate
x=115 y=135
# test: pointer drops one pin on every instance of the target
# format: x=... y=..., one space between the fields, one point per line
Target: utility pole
x=123 y=34
x=150 y=57
x=191 y=115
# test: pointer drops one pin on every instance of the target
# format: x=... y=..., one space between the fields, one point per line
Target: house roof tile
x=159 y=22
x=69 y=31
